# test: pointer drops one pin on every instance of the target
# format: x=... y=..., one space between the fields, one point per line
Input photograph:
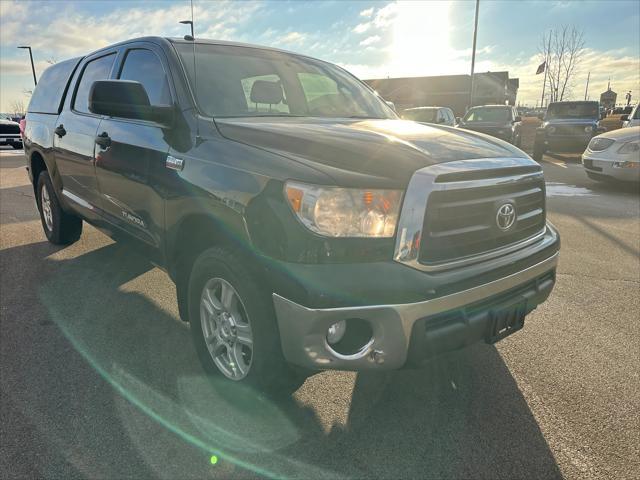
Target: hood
x=623 y=134
x=356 y=151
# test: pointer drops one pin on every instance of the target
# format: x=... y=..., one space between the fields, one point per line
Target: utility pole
x=586 y=89
x=33 y=69
x=473 y=53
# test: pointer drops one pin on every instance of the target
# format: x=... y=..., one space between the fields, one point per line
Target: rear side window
x=145 y=67
x=52 y=86
x=97 y=69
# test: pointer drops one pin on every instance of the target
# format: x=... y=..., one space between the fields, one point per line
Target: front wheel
x=233 y=325
x=61 y=228
x=538 y=152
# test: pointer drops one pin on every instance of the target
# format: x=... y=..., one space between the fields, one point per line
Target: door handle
x=104 y=140
x=60 y=131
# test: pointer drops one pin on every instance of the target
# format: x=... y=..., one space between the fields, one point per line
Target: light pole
x=473 y=53
x=188 y=22
x=33 y=69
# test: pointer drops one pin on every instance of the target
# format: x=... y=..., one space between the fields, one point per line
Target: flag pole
x=546 y=67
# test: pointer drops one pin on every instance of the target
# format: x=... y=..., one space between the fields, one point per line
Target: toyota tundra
x=305 y=225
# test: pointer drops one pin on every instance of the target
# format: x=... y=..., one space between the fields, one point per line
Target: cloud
x=292 y=38
x=370 y=40
x=362 y=27
x=366 y=13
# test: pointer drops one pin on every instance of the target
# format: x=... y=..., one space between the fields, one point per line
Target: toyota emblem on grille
x=506 y=216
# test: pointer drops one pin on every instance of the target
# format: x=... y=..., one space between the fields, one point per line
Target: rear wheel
x=233 y=325
x=61 y=228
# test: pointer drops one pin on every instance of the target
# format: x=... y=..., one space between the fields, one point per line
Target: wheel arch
x=193 y=235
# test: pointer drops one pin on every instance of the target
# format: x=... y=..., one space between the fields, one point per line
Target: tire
x=61 y=228
x=519 y=141
x=538 y=152
x=260 y=366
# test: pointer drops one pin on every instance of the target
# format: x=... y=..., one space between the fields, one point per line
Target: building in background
x=608 y=98
x=451 y=91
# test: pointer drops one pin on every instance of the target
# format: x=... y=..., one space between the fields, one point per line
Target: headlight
x=345 y=212
x=588 y=129
x=551 y=129
x=630 y=147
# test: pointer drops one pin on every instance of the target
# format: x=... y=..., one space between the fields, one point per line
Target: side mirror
x=517 y=119
x=624 y=118
x=126 y=99
x=392 y=105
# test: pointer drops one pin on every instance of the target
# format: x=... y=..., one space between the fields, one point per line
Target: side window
x=97 y=69
x=145 y=67
x=247 y=85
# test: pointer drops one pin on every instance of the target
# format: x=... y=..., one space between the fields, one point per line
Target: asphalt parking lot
x=99 y=379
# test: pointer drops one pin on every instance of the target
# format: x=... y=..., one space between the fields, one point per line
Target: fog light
x=336 y=332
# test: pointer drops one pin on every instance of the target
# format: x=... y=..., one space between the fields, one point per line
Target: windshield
x=237 y=81
x=421 y=115
x=572 y=110
x=491 y=114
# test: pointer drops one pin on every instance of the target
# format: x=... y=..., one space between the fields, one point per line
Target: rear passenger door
x=137 y=149
x=75 y=133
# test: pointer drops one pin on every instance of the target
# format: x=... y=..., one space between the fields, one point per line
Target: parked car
x=567 y=127
x=10 y=133
x=500 y=121
x=614 y=155
x=633 y=119
x=302 y=222
x=437 y=115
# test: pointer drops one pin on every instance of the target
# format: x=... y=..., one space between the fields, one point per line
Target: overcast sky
x=371 y=39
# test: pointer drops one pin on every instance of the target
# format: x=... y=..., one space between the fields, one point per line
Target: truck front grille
x=9 y=128
x=569 y=130
x=461 y=220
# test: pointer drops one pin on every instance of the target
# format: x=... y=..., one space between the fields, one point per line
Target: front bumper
x=566 y=143
x=10 y=139
x=607 y=168
x=408 y=332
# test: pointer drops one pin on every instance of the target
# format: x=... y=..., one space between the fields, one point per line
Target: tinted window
x=488 y=114
x=573 y=110
x=422 y=115
x=47 y=96
x=310 y=87
x=145 y=67
x=97 y=69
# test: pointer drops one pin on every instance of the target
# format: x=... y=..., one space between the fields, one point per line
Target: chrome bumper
x=303 y=330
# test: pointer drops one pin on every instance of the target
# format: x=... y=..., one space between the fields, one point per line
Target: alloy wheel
x=226 y=328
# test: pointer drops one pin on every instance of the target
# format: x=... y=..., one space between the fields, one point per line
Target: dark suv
x=567 y=127
x=305 y=226
x=501 y=121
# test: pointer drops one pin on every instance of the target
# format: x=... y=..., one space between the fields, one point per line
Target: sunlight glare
x=421 y=39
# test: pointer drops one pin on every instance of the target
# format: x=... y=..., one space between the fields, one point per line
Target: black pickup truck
x=305 y=225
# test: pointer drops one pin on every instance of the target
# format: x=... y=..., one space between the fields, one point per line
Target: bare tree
x=562 y=51
x=17 y=108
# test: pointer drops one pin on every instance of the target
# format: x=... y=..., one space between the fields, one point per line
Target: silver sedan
x=614 y=155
